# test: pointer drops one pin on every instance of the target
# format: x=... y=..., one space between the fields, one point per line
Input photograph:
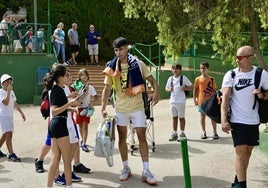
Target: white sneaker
x=182 y=136
x=64 y=64
x=126 y=172
x=148 y=177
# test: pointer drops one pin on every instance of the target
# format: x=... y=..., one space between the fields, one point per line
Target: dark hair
x=205 y=64
x=56 y=72
x=46 y=79
x=176 y=66
x=119 y=42
x=28 y=27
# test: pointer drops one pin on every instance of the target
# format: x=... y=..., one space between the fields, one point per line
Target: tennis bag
x=212 y=107
x=105 y=138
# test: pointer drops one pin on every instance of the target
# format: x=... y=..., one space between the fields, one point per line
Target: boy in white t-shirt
x=177 y=88
x=8 y=102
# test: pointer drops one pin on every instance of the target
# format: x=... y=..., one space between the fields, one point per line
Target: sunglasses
x=241 y=57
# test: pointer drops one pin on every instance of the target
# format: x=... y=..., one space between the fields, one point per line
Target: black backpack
x=263 y=104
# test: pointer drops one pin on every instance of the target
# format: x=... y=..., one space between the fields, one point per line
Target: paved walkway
x=211 y=161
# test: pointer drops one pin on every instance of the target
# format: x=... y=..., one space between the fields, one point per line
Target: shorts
x=81 y=119
x=177 y=110
x=58 y=127
x=93 y=49
x=245 y=134
x=30 y=45
x=199 y=109
x=4 y=40
x=48 y=139
x=73 y=134
x=137 y=119
x=7 y=124
x=17 y=44
x=74 y=48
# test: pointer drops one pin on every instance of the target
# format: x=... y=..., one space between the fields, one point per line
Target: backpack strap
x=257 y=81
x=232 y=74
x=181 y=80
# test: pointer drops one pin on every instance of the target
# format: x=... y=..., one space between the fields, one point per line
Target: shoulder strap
x=171 y=81
x=257 y=80
x=257 y=77
x=181 y=80
x=232 y=74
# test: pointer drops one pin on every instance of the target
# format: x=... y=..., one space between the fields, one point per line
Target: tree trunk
x=254 y=35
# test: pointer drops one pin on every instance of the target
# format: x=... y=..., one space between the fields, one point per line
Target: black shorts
x=4 y=40
x=74 y=48
x=245 y=134
x=58 y=127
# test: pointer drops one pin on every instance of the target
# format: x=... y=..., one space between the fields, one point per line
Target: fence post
x=185 y=162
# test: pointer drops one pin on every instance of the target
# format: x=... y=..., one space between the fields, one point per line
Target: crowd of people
x=71 y=104
x=19 y=38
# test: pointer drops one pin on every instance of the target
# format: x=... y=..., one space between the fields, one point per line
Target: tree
x=107 y=16
x=178 y=21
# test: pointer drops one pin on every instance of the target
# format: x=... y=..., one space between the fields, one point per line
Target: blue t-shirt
x=90 y=37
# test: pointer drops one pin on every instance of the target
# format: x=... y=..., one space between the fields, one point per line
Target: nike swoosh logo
x=242 y=87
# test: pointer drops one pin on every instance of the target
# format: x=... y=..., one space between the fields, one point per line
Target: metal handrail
x=151 y=64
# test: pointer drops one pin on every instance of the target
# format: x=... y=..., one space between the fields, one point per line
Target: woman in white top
x=59 y=43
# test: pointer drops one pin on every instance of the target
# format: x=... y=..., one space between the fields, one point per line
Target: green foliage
x=107 y=16
x=226 y=21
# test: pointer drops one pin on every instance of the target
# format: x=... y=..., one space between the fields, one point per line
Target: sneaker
x=65 y=64
x=81 y=169
x=85 y=148
x=204 y=136
x=13 y=157
x=173 y=137
x=235 y=185
x=69 y=62
x=148 y=177
x=75 y=178
x=60 y=181
x=182 y=136
x=215 y=136
x=84 y=112
x=90 y=112
x=2 y=154
x=39 y=166
x=125 y=174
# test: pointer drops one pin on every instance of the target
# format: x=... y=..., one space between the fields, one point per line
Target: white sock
x=146 y=165
x=182 y=131
x=125 y=164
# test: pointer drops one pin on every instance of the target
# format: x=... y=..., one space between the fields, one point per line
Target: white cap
x=5 y=77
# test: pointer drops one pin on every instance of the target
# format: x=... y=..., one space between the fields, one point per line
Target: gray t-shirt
x=74 y=35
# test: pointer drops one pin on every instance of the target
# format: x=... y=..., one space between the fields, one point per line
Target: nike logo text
x=243 y=83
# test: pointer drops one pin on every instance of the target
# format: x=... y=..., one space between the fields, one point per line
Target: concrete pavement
x=211 y=161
